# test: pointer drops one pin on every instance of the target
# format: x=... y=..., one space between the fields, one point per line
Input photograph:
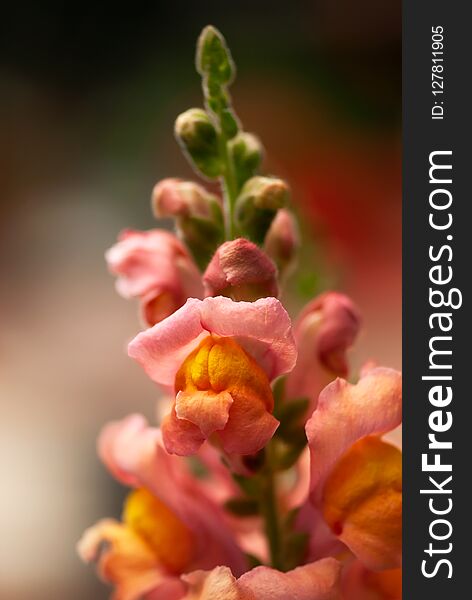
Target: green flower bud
x=246 y=152
x=199 y=140
x=213 y=58
x=257 y=205
x=215 y=65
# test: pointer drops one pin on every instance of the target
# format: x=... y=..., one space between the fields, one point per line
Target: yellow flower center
x=219 y=376
x=169 y=538
x=218 y=364
x=364 y=493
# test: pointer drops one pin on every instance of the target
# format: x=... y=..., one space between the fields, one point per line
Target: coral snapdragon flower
x=155 y=267
x=220 y=356
x=356 y=476
x=169 y=524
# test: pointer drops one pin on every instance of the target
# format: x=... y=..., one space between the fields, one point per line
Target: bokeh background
x=88 y=96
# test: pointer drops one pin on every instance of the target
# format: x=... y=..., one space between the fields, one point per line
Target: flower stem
x=270 y=513
x=229 y=187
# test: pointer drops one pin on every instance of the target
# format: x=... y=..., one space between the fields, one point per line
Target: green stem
x=230 y=191
x=270 y=513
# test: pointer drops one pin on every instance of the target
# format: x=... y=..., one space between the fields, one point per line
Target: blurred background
x=89 y=94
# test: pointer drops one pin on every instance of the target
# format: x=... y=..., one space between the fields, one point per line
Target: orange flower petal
x=362 y=502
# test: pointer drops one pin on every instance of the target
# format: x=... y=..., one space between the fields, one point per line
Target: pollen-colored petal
x=222 y=390
x=362 y=502
x=170 y=539
x=124 y=559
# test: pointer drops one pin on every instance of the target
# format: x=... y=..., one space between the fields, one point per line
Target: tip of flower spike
x=213 y=58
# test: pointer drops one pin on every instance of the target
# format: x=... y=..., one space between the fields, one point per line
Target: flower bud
x=177 y=198
x=256 y=206
x=246 y=151
x=325 y=330
x=282 y=241
x=241 y=271
x=198 y=215
x=213 y=58
x=198 y=138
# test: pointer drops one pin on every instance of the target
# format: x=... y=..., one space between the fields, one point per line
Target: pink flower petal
x=219 y=584
x=346 y=413
x=315 y=581
x=208 y=410
x=262 y=328
x=155 y=266
x=126 y=561
x=249 y=428
x=240 y=269
x=162 y=349
x=180 y=436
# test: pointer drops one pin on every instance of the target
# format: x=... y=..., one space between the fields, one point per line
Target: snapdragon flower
x=220 y=356
x=155 y=267
x=270 y=476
